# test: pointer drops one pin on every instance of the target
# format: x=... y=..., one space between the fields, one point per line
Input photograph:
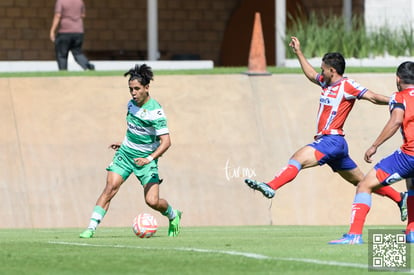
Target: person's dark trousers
x=72 y=42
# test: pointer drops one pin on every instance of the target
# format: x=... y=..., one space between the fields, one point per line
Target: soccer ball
x=144 y=225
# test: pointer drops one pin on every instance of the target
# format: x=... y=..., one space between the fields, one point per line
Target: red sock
x=286 y=175
x=410 y=208
x=359 y=213
x=389 y=192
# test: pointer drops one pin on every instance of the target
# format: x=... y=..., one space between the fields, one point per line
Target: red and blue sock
x=360 y=209
x=287 y=174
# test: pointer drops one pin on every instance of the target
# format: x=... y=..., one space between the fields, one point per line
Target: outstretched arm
x=376 y=98
x=393 y=124
x=307 y=68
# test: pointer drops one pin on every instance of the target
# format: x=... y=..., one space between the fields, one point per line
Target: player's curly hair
x=142 y=73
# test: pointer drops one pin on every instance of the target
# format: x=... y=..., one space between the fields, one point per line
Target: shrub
x=320 y=34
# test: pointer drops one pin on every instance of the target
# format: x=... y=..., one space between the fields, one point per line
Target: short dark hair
x=406 y=72
x=142 y=73
x=336 y=61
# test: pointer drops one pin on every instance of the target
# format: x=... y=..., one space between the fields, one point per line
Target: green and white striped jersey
x=144 y=124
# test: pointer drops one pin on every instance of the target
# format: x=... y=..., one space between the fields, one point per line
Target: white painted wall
x=394 y=14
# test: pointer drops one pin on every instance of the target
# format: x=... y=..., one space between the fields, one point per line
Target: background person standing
x=67 y=33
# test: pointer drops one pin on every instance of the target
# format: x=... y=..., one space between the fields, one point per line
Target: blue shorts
x=395 y=167
x=333 y=150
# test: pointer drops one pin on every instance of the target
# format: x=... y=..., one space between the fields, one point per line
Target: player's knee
x=152 y=201
x=111 y=189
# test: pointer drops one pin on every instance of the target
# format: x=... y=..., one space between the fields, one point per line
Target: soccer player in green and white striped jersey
x=146 y=139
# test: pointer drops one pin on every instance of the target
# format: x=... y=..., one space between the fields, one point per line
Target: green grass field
x=198 y=250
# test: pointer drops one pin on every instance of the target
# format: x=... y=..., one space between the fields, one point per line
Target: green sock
x=97 y=216
x=170 y=213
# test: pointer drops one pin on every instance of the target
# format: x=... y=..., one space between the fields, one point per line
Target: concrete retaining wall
x=55 y=132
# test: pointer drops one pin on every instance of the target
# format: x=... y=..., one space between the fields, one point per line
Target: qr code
x=388 y=250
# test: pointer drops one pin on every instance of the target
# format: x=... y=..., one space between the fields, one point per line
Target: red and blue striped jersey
x=336 y=101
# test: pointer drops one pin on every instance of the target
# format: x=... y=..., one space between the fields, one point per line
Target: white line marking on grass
x=226 y=252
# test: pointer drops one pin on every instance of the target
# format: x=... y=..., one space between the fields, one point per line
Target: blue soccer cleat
x=265 y=189
x=349 y=239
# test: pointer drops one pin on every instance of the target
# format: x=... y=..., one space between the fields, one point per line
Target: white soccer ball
x=144 y=225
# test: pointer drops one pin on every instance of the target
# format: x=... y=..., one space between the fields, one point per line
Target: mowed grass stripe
x=227 y=252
